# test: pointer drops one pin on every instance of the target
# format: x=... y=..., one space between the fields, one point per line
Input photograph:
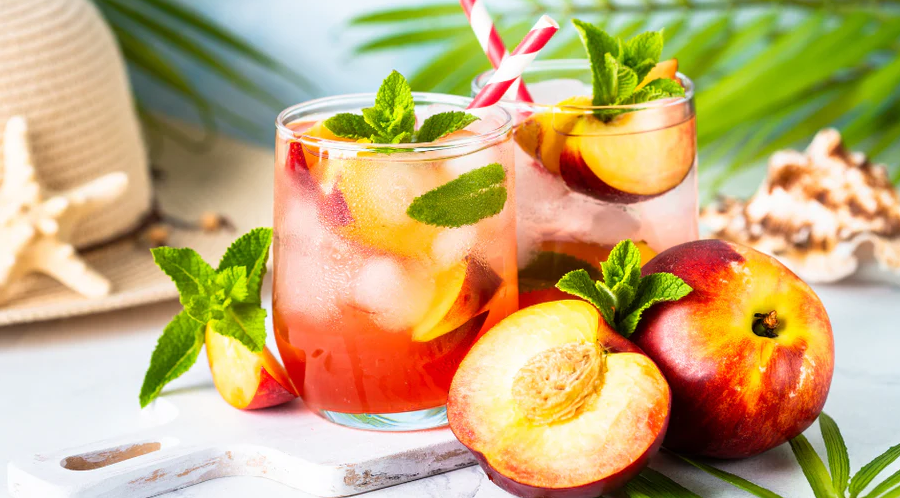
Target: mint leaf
x=186 y=268
x=233 y=285
x=394 y=110
x=654 y=288
x=203 y=308
x=176 y=351
x=623 y=263
x=251 y=251
x=643 y=51
x=579 y=283
x=617 y=69
x=244 y=322
x=623 y=295
x=443 y=124
x=661 y=88
x=466 y=200
x=349 y=125
x=627 y=81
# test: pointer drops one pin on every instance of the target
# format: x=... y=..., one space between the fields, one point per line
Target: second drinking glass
x=374 y=308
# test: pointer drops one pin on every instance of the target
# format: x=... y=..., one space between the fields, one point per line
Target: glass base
x=390 y=422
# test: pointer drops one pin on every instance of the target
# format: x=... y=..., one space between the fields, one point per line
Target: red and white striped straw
x=490 y=40
x=513 y=66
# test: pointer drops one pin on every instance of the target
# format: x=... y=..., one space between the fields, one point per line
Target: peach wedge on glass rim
x=554 y=403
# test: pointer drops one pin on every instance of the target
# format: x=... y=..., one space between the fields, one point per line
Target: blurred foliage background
x=769 y=73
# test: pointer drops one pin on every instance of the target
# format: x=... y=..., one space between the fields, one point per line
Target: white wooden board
x=205 y=440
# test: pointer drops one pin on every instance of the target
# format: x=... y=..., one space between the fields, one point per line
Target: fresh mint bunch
x=393 y=119
x=623 y=295
x=618 y=68
x=225 y=300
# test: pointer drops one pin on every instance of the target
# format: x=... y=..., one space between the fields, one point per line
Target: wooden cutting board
x=206 y=440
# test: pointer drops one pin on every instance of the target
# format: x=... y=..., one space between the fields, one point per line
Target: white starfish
x=36 y=226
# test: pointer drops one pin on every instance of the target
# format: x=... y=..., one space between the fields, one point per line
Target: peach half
x=246 y=380
x=554 y=403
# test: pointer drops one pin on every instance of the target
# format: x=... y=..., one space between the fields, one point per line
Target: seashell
x=824 y=213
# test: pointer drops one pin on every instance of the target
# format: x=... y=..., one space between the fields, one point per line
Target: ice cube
x=397 y=296
x=453 y=244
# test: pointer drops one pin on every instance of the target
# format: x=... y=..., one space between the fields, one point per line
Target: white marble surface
x=71 y=382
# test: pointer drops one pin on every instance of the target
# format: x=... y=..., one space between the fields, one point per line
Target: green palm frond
x=768 y=73
x=140 y=25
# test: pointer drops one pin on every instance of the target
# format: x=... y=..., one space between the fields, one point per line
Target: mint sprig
x=618 y=68
x=623 y=295
x=225 y=300
x=466 y=200
x=392 y=120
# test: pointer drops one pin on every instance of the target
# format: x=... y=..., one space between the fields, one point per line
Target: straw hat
x=61 y=70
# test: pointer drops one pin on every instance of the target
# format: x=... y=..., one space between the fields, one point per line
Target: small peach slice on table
x=554 y=403
x=246 y=380
x=462 y=291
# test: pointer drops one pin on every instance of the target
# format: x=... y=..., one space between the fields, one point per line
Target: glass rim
x=583 y=64
x=310 y=106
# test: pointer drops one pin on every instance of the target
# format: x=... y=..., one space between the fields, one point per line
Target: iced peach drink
x=607 y=152
x=394 y=249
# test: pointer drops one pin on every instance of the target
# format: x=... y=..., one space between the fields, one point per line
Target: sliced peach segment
x=462 y=291
x=636 y=156
x=246 y=380
x=378 y=194
x=662 y=70
x=543 y=135
x=553 y=403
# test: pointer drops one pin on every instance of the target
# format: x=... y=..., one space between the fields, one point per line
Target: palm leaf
x=813 y=468
x=736 y=481
x=871 y=470
x=838 y=459
x=828 y=63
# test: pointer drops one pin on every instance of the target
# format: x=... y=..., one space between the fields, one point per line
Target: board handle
x=139 y=465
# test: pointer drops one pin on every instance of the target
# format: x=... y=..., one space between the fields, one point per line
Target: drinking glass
x=374 y=310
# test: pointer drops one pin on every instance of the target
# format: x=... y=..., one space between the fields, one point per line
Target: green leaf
x=627 y=81
x=547 y=267
x=604 y=52
x=838 y=459
x=625 y=294
x=186 y=268
x=443 y=124
x=202 y=25
x=813 y=468
x=657 y=89
x=579 y=283
x=654 y=288
x=394 y=110
x=250 y=251
x=736 y=481
x=411 y=13
x=394 y=40
x=233 y=285
x=244 y=322
x=203 y=308
x=465 y=200
x=871 y=470
x=176 y=351
x=621 y=264
x=881 y=490
x=190 y=48
x=349 y=125
x=643 y=51
x=652 y=484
